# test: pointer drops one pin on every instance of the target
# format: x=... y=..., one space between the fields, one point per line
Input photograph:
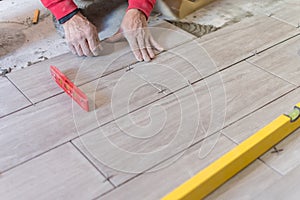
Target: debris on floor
x=196 y=29
x=3 y=72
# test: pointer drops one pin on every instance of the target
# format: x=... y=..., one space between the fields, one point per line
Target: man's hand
x=134 y=29
x=82 y=36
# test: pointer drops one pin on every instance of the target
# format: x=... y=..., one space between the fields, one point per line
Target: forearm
x=60 y=8
x=146 y=6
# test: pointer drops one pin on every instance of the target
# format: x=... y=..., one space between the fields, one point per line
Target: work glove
x=134 y=28
x=82 y=36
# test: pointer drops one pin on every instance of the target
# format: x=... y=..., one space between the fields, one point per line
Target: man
x=82 y=36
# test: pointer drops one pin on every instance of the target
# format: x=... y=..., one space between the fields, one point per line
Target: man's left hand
x=134 y=28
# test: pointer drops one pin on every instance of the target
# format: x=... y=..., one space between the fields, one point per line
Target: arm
x=81 y=35
x=60 y=8
x=134 y=28
x=145 y=6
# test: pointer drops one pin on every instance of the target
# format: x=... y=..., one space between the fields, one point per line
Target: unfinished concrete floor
x=152 y=126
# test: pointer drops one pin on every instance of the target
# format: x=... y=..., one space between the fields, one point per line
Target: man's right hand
x=82 y=36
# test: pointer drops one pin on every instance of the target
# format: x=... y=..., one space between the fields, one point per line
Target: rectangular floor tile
x=288 y=12
x=250 y=182
x=284 y=188
x=11 y=99
x=241 y=40
x=36 y=83
x=287 y=159
x=34 y=130
x=62 y=173
x=167 y=176
x=282 y=60
x=178 y=120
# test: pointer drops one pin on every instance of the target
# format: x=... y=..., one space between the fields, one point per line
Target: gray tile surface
x=243 y=39
x=178 y=120
x=287 y=159
x=59 y=174
x=250 y=182
x=11 y=99
x=59 y=119
x=282 y=60
x=284 y=188
x=244 y=128
x=288 y=12
x=34 y=130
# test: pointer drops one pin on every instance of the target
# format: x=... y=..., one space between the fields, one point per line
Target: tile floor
x=154 y=126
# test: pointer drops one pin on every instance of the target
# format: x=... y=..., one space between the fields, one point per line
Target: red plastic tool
x=74 y=92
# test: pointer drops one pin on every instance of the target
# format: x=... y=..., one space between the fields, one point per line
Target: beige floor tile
x=250 y=182
x=11 y=99
x=284 y=188
x=287 y=159
x=246 y=127
x=243 y=39
x=62 y=173
x=282 y=60
x=288 y=13
x=34 y=130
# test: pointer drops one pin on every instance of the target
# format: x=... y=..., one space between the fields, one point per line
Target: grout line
x=166 y=159
x=269 y=72
x=103 y=194
x=282 y=20
x=278 y=43
x=261 y=107
x=105 y=74
x=52 y=96
x=102 y=173
x=162 y=161
x=269 y=166
x=20 y=109
x=144 y=79
x=19 y=90
x=29 y=159
x=229 y=138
